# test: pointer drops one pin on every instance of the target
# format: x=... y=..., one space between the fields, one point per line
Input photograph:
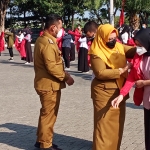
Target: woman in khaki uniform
x=9 y=35
x=109 y=65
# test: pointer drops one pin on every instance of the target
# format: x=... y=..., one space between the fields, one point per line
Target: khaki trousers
x=50 y=101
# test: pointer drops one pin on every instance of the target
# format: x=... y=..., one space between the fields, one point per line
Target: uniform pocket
x=56 y=86
x=111 y=85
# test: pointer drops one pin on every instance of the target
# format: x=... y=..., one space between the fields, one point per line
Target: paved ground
x=19 y=110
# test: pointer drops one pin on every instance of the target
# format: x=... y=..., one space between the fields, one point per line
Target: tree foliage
x=136 y=10
x=98 y=9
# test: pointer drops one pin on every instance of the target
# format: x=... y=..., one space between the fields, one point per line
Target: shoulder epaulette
x=50 y=41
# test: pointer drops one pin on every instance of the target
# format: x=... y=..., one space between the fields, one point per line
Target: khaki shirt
x=48 y=65
x=10 y=39
x=105 y=77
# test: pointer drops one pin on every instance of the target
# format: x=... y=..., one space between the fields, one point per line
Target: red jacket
x=131 y=42
x=134 y=75
x=20 y=47
x=77 y=36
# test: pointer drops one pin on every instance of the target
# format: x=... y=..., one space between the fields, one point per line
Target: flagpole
x=111 y=12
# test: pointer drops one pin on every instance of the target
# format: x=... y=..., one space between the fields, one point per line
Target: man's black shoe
x=37 y=145
x=50 y=148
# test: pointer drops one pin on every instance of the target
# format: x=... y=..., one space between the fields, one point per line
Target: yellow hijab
x=114 y=58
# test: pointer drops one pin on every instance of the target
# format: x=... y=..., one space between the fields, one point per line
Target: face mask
x=111 y=44
x=140 y=50
x=91 y=38
x=143 y=27
x=60 y=33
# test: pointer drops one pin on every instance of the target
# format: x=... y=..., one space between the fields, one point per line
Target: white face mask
x=60 y=33
x=140 y=50
x=143 y=27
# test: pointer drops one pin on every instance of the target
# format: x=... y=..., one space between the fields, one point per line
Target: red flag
x=121 y=21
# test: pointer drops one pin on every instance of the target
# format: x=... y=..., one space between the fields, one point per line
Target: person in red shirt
x=140 y=76
x=1 y=42
x=78 y=34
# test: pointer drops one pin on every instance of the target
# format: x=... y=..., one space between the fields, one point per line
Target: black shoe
x=50 y=148
x=10 y=59
x=37 y=145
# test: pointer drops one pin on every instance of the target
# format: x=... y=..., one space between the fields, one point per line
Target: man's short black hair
x=51 y=20
x=90 y=26
x=67 y=29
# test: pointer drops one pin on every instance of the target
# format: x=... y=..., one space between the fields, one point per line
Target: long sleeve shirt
x=145 y=68
x=83 y=42
x=67 y=41
x=28 y=37
x=20 y=37
x=140 y=70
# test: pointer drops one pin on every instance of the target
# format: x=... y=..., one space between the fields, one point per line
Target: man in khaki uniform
x=50 y=78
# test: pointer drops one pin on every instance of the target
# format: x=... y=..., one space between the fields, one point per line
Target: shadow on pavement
x=24 y=136
x=13 y=63
x=133 y=106
x=6 y=53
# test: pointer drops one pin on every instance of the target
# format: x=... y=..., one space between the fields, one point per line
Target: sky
x=86 y=14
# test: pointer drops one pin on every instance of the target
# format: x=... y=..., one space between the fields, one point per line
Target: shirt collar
x=49 y=36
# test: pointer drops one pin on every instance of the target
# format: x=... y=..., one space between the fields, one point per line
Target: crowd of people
x=111 y=56
x=110 y=53
x=22 y=42
x=69 y=41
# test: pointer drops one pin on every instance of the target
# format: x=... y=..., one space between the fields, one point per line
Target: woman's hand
x=128 y=66
x=140 y=83
x=115 y=103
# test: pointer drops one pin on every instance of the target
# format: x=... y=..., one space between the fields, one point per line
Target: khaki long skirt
x=108 y=121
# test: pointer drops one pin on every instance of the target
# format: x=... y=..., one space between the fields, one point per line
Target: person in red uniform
x=78 y=33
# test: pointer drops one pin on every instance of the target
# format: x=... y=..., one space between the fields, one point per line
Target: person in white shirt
x=28 y=48
x=20 y=36
x=125 y=34
x=83 y=55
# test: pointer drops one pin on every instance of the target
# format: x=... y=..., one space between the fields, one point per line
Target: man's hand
x=70 y=81
x=67 y=73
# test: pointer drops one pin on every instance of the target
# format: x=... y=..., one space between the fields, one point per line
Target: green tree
x=137 y=8
x=72 y=7
x=94 y=7
x=41 y=8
